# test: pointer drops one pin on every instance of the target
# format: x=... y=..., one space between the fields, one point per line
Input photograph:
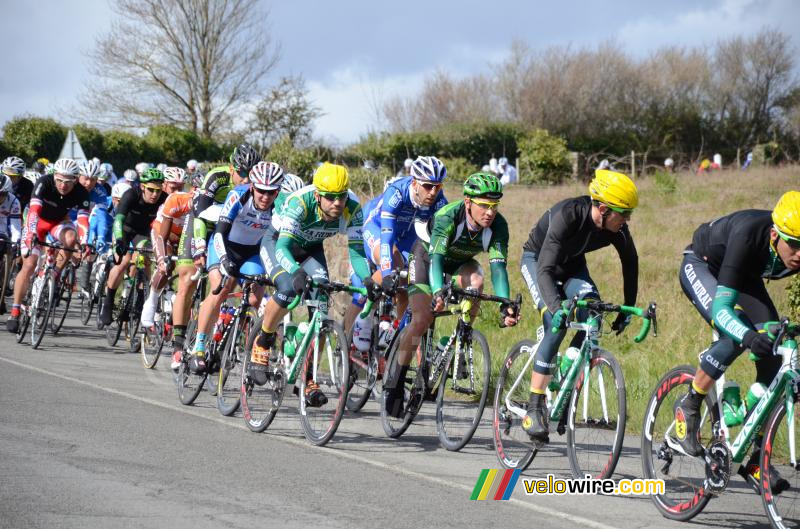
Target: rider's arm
x=441 y=233
x=161 y=234
x=292 y=216
x=738 y=258
x=230 y=209
x=35 y=209
x=391 y=202
x=83 y=224
x=723 y=314
x=205 y=197
x=558 y=230
x=123 y=208
x=623 y=242
x=498 y=252
x=355 y=242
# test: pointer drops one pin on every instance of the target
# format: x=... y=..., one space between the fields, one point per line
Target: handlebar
x=453 y=295
x=648 y=315
x=261 y=279
x=331 y=286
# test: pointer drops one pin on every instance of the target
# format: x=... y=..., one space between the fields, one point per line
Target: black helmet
x=244 y=157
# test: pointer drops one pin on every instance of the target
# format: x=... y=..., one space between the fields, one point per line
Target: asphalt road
x=89 y=438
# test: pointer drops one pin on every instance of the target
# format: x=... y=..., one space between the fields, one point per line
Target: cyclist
x=51 y=202
x=131 y=177
x=294 y=250
x=136 y=211
x=10 y=223
x=165 y=234
x=209 y=193
x=389 y=232
x=722 y=274
x=100 y=221
x=460 y=231
x=244 y=218
x=107 y=176
x=554 y=268
x=14 y=168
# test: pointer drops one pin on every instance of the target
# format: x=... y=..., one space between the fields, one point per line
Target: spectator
x=507 y=172
x=486 y=169
x=669 y=165
x=748 y=161
x=705 y=166
x=717 y=163
x=493 y=166
x=406 y=170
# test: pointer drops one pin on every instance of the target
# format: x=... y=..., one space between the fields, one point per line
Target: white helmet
x=428 y=169
x=90 y=168
x=191 y=165
x=33 y=176
x=407 y=163
x=291 y=183
x=142 y=167
x=161 y=167
x=66 y=167
x=96 y=160
x=503 y=161
x=119 y=189
x=6 y=185
x=669 y=162
x=266 y=175
x=130 y=175
x=174 y=174
x=13 y=166
x=106 y=171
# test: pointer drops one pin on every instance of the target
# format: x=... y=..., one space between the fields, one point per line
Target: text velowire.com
x=551 y=485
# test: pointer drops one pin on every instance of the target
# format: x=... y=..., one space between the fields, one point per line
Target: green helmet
x=151 y=176
x=483 y=185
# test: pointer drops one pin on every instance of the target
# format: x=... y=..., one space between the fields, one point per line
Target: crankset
x=718 y=467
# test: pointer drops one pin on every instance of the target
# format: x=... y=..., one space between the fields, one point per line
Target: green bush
x=458 y=169
x=301 y=162
x=369 y=182
x=123 y=150
x=31 y=137
x=665 y=182
x=174 y=146
x=793 y=288
x=544 y=159
x=91 y=140
x=477 y=142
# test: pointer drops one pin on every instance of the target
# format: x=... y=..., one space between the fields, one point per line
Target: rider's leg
x=115 y=276
x=181 y=308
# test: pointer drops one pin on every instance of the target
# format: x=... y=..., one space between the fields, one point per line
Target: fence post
x=738 y=159
x=633 y=164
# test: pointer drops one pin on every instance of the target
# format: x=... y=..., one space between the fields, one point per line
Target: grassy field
x=662 y=226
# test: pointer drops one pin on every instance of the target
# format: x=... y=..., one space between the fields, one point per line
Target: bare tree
x=285 y=111
x=190 y=63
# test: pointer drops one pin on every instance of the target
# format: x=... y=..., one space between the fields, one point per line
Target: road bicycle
x=691 y=482
x=454 y=370
x=127 y=311
x=320 y=356
x=590 y=405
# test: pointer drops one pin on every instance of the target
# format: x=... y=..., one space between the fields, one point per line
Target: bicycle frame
x=436 y=359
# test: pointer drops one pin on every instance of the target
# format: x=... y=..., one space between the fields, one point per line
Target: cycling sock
x=698 y=390
x=537 y=391
x=179 y=331
x=152 y=299
x=15 y=311
x=110 y=294
x=200 y=344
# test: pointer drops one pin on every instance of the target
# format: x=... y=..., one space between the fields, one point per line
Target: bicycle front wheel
x=779 y=453
x=232 y=347
x=596 y=419
x=42 y=305
x=62 y=297
x=363 y=375
x=24 y=317
x=330 y=371
x=684 y=494
x=513 y=446
x=413 y=389
x=462 y=392
x=152 y=342
x=261 y=403
x=189 y=384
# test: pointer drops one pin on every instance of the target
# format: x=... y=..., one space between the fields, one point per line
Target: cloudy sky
x=355 y=54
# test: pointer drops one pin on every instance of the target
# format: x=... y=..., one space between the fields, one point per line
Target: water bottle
x=362 y=333
x=169 y=298
x=222 y=320
x=302 y=330
x=754 y=394
x=572 y=354
x=386 y=330
x=289 y=336
x=732 y=404
x=555 y=380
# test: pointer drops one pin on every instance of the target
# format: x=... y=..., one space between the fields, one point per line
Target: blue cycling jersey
x=394 y=214
x=240 y=222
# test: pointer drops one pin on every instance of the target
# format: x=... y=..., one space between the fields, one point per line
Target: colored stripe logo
x=495 y=484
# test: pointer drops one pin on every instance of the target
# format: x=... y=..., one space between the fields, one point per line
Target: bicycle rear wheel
x=777 y=449
x=260 y=404
x=330 y=372
x=24 y=317
x=684 y=477
x=462 y=393
x=152 y=341
x=512 y=445
x=596 y=420
x=42 y=305
x=140 y=292
x=413 y=393
x=62 y=297
x=363 y=375
x=189 y=384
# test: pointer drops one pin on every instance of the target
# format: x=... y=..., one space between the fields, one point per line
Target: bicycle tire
x=684 y=496
x=332 y=375
x=782 y=506
x=233 y=349
x=42 y=306
x=363 y=375
x=135 y=313
x=152 y=341
x=459 y=402
x=596 y=430
x=413 y=395
x=62 y=298
x=114 y=330
x=5 y=272
x=189 y=384
x=511 y=444
x=24 y=317
x=260 y=404
x=87 y=307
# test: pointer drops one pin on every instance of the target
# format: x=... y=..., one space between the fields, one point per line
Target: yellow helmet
x=331 y=178
x=43 y=161
x=786 y=214
x=614 y=189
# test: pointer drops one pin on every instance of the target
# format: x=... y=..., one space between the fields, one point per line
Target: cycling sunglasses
x=626 y=213
x=793 y=242
x=333 y=197
x=486 y=204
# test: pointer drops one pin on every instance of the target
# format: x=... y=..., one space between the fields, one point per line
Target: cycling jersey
x=392 y=216
x=240 y=222
x=134 y=216
x=10 y=218
x=738 y=251
x=453 y=243
x=175 y=207
x=23 y=190
x=562 y=237
x=214 y=189
x=301 y=224
x=51 y=206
